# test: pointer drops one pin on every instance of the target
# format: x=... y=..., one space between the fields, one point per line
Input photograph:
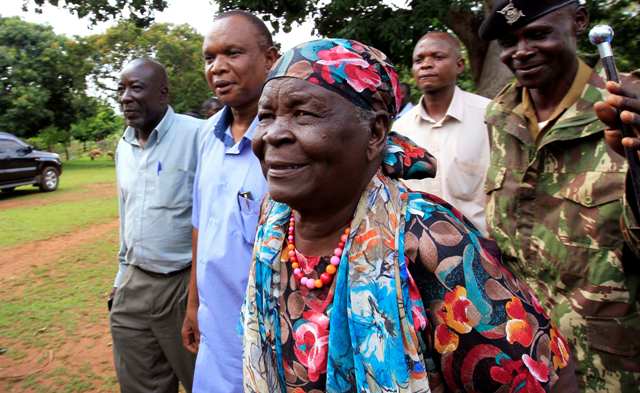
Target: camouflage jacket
x=558 y=213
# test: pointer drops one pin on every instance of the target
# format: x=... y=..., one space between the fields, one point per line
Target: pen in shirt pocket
x=244 y=197
x=159 y=168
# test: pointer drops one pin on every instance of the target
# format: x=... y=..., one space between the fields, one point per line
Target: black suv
x=21 y=165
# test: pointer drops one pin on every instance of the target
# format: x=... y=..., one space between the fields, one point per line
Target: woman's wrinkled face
x=311 y=143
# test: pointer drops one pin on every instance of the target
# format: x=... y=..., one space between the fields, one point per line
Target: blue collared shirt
x=154 y=192
x=228 y=189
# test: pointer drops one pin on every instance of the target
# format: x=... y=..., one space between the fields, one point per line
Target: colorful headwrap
x=358 y=72
x=364 y=76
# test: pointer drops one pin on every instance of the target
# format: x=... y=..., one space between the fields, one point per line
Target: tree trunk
x=489 y=74
x=465 y=23
x=494 y=75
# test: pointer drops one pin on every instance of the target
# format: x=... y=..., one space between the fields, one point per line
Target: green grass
x=41 y=222
x=83 y=171
x=50 y=218
x=76 y=175
x=54 y=297
x=49 y=306
x=52 y=306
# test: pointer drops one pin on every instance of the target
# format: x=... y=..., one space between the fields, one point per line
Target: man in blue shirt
x=155 y=166
x=228 y=188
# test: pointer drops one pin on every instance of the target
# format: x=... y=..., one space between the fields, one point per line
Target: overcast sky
x=197 y=13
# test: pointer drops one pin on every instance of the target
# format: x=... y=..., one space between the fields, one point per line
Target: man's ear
x=164 y=93
x=581 y=20
x=271 y=56
x=459 y=66
x=380 y=125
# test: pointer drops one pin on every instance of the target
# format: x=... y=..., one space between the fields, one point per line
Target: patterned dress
x=304 y=320
x=419 y=300
x=484 y=329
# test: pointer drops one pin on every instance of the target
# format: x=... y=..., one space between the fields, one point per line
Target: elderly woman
x=357 y=284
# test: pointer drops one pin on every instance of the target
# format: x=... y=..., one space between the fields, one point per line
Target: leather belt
x=162 y=275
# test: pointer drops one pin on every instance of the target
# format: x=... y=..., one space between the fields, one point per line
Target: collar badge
x=511 y=13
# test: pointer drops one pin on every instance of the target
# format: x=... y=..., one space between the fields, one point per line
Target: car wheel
x=49 y=179
x=8 y=189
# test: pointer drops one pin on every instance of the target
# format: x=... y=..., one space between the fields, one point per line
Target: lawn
x=20 y=225
x=53 y=297
x=67 y=209
x=79 y=172
x=54 y=331
x=60 y=309
x=84 y=171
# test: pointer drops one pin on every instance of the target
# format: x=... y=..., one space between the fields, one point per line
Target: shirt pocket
x=616 y=340
x=174 y=188
x=465 y=179
x=591 y=209
x=249 y=215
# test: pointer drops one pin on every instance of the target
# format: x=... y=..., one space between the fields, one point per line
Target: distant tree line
x=393 y=29
x=45 y=77
x=57 y=88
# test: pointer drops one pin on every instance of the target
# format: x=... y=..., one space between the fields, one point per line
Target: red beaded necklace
x=325 y=278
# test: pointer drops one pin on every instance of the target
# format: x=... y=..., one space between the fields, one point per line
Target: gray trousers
x=146 y=319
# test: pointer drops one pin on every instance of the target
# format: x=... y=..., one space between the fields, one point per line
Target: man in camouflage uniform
x=556 y=190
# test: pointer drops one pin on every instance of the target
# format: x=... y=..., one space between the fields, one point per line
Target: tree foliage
x=42 y=78
x=101 y=124
x=395 y=30
x=391 y=28
x=178 y=48
x=140 y=12
x=624 y=17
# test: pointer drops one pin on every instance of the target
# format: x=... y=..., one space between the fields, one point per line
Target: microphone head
x=601 y=34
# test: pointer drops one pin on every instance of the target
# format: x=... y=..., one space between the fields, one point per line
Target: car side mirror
x=27 y=149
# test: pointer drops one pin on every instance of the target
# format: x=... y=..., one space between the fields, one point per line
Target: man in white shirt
x=449 y=123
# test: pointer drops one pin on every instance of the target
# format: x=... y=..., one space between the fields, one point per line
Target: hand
x=190 y=331
x=628 y=105
x=110 y=298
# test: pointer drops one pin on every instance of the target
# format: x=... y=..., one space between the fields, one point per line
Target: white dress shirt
x=460 y=143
